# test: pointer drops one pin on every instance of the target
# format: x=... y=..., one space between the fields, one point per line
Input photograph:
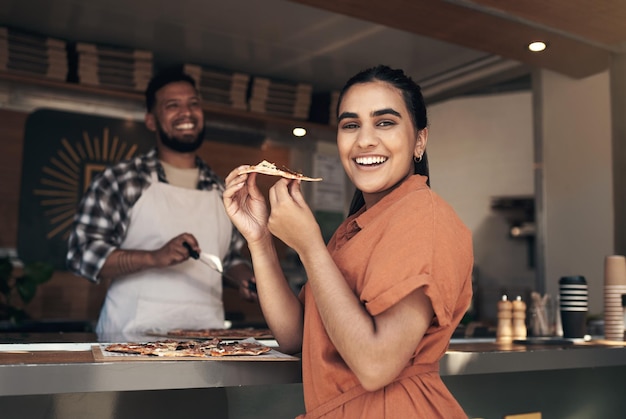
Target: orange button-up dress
x=410 y=239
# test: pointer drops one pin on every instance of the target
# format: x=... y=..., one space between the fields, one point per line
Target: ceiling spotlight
x=537 y=46
x=299 y=132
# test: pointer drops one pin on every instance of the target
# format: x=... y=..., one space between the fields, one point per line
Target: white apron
x=187 y=295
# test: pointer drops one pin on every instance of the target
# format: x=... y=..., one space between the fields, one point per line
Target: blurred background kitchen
x=527 y=146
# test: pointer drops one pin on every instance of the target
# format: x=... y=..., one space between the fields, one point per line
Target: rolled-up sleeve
x=99 y=227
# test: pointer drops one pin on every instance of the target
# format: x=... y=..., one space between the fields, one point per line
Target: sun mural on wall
x=63 y=153
x=70 y=172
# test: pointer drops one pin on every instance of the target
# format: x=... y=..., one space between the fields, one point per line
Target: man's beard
x=178 y=145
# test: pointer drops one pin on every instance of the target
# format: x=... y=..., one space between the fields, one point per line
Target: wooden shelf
x=258 y=120
x=74 y=87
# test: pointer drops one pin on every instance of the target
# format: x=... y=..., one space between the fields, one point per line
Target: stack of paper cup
x=614 y=287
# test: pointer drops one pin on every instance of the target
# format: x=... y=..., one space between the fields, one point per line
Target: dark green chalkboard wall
x=63 y=152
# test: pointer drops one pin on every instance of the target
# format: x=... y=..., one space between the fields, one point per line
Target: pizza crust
x=267 y=168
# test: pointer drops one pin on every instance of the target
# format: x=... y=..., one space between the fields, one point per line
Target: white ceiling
x=273 y=38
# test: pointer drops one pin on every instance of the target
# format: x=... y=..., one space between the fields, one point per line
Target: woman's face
x=377 y=139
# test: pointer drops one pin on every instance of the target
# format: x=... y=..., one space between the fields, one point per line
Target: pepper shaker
x=504 y=331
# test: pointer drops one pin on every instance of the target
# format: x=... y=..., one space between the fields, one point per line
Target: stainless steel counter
x=51 y=368
x=256 y=389
x=484 y=356
x=27 y=369
x=63 y=380
x=574 y=381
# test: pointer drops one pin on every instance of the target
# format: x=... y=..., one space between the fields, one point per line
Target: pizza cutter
x=214 y=263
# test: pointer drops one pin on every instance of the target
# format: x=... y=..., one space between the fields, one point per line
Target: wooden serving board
x=100 y=355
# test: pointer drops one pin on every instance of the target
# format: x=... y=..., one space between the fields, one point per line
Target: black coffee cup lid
x=576 y=279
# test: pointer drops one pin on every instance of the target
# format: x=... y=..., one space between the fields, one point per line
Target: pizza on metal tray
x=189 y=348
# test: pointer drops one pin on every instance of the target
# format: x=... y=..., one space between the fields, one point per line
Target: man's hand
x=241 y=276
x=124 y=262
x=174 y=251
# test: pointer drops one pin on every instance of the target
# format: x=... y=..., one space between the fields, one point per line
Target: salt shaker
x=519 y=318
x=504 y=332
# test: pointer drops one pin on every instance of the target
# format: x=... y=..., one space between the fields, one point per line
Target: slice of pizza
x=126 y=348
x=141 y=348
x=267 y=168
x=239 y=349
x=167 y=348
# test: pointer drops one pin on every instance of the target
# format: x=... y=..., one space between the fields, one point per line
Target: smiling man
x=133 y=222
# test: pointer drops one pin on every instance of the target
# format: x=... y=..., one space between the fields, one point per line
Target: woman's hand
x=245 y=205
x=291 y=219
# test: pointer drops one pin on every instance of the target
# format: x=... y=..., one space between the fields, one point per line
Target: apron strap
x=358 y=390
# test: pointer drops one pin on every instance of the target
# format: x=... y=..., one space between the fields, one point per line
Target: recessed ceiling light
x=537 y=46
x=299 y=132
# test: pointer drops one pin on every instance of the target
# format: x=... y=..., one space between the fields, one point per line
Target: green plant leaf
x=39 y=272
x=26 y=288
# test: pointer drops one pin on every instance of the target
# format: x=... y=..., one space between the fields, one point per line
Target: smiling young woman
x=383 y=298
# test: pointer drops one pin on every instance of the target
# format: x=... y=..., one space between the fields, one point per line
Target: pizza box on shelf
x=33 y=54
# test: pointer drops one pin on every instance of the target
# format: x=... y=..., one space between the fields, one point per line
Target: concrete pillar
x=574 y=179
x=618 y=124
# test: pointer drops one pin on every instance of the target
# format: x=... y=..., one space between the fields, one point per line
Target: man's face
x=177 y=117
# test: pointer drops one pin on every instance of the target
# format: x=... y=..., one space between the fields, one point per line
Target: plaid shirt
x=103 y=216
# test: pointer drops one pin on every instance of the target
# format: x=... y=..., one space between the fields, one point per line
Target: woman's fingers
x=235 y=173
x=280 y=192
x=296 y=192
